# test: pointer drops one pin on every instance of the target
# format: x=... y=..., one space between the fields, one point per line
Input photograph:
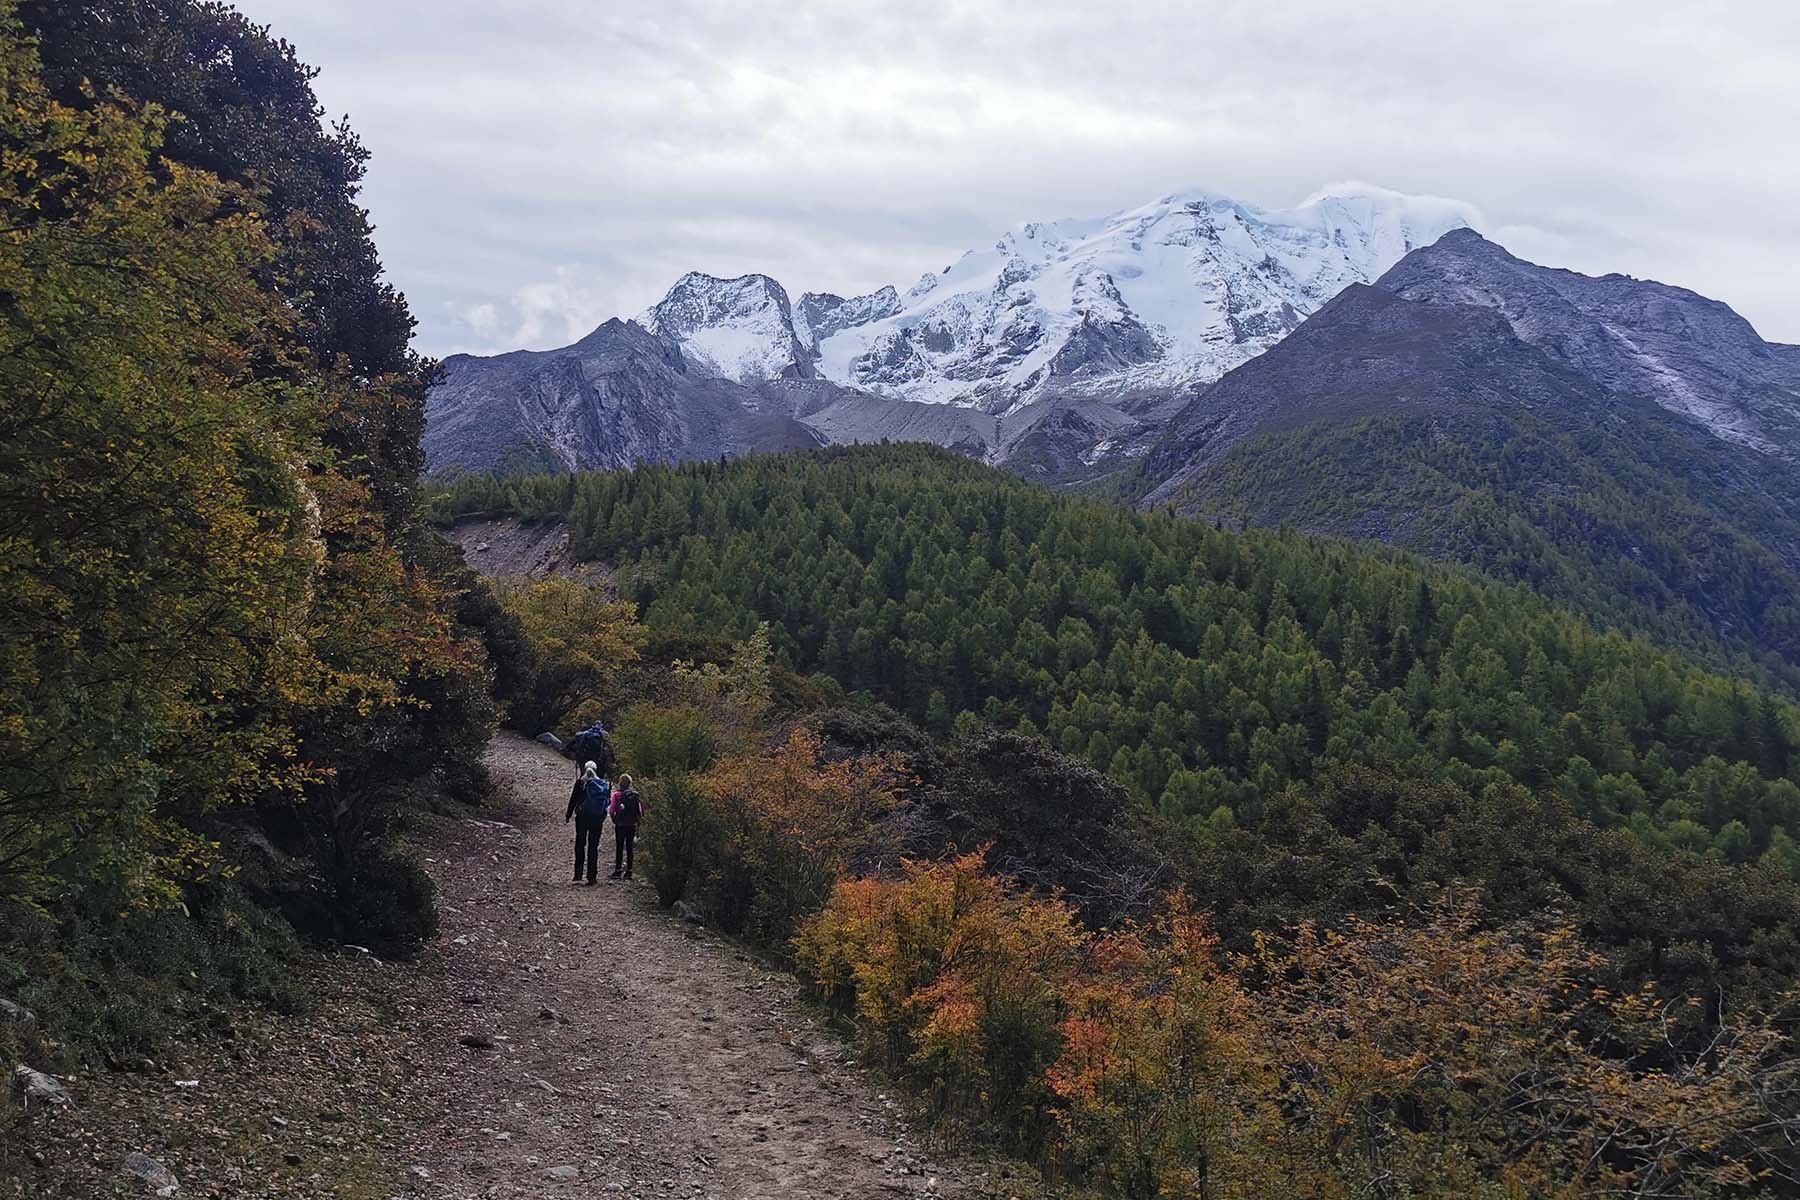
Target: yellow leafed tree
x=156 y=535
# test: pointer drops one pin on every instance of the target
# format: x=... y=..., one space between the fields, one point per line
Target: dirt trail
x=631 y=1053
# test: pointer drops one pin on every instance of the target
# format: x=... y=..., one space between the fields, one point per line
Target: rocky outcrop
x=619 y=396
x=1692 y=355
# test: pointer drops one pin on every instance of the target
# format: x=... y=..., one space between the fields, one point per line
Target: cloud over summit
x=542 y=166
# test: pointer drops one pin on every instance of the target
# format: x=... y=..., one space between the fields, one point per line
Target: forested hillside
x=1243 y=687
x=1371 y=846
x=1620 y=522
x=1205 y=670
x=1480 y=409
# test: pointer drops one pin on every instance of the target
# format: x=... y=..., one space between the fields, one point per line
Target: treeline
x=1205 y=670
x=232 y=658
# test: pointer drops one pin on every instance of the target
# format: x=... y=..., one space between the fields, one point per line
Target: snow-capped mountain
x=738 y=329
x=1170 y=293
x=1061 y=350
x=1173 y=292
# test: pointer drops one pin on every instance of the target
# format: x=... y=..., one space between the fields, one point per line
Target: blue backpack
x=596 y=794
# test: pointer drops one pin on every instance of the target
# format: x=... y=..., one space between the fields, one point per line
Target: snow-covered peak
x=1175 y=291
x=1158 y=296
x=740 y=329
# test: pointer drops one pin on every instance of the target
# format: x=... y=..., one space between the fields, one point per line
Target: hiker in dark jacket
x=594 y=745
x=626 y=809
x=588 y=802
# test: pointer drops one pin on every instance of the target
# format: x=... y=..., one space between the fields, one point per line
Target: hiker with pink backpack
x=626 y=810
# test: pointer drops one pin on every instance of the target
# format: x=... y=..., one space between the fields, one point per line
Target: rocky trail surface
x=556 y=1041
x=632 y=1052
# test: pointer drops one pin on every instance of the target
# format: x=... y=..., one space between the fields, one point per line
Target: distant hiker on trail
x=587 y=808
x=627 y=810
x=593 y=745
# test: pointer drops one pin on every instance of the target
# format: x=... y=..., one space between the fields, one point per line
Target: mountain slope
x=1478 y=408
x=619 y=396
x=1688 y=353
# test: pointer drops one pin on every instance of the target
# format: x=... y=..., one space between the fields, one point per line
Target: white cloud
x=554 y=152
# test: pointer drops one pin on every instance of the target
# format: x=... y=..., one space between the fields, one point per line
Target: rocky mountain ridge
x=1619 y=444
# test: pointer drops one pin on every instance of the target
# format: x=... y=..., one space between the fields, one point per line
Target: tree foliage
x=159 y=532
x=790 y=821
x=1637 y=520
x=242 y=110
x=219 y=620
x=1435 y=1057
x=581 y=644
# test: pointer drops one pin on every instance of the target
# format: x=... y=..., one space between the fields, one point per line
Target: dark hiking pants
x=623 y=836
x=587 y=846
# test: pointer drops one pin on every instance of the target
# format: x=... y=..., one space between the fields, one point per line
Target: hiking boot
x=628 y=874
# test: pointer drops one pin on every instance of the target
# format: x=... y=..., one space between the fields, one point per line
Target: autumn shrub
x=683 y=843
x=1447 y=1056
x=790 y=820
x=1435 y=1054
x=657 y=741
x=736 y=697
x=953 y=977
x=1162 y=1085
x=581 y=643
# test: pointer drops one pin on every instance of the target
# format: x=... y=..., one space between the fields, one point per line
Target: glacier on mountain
x=1170 y=293
x=1174 y=292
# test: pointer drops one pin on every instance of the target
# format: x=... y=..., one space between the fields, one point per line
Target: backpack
x=595 y=794
x=631 y=807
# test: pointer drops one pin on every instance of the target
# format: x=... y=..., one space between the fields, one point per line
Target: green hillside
x=1205 y=670
x=1633 y=521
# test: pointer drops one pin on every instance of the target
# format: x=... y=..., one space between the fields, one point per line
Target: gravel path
x=556 y=1041
x=618 y=1050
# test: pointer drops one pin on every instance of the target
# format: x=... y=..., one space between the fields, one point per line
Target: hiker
x=588 y=802
x=593 y=743
x=626 y=810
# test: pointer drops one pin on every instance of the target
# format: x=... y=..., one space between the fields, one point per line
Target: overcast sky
x=541 y=165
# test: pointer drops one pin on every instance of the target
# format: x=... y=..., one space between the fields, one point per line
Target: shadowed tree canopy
x=245 y=112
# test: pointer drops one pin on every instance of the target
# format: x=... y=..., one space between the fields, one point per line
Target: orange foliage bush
x=1442 y=1058
x=1450 y=1058
x=955 y=978
x=1164 y=1085
x=790 y=821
